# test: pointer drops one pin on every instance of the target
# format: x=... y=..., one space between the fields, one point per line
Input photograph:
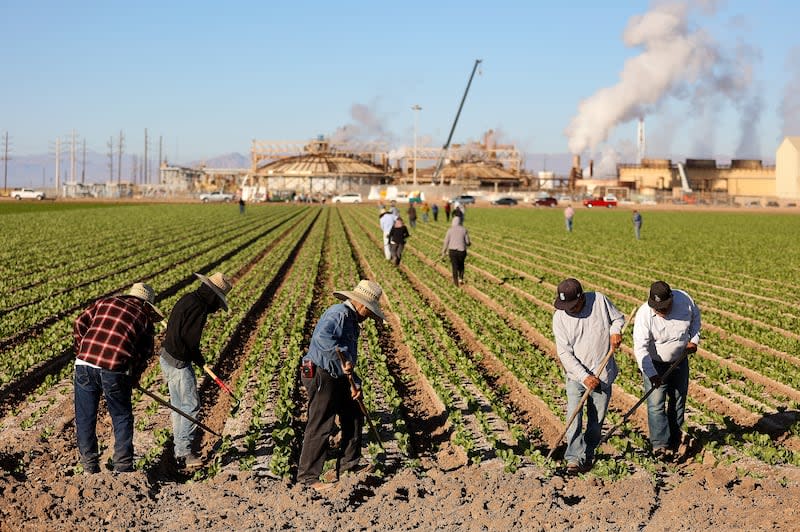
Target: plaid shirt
x=115 y=333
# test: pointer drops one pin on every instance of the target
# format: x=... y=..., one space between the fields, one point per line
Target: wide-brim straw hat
x=366 y=292
x=146 y=293
x=220 y=284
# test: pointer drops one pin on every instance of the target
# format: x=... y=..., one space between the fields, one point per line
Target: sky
x=710 y=79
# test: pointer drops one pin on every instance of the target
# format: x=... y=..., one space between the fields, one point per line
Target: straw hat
x=368 y=293
x=220 y=284
x=146 y=293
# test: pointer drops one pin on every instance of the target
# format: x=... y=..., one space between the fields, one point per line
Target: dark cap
x=568 y=295
x=660 y=296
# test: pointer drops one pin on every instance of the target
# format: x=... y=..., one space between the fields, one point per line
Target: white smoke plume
x=366 y=126
x=676 y=61
x=789 y=109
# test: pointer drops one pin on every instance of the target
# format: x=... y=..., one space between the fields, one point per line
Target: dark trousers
x=457 y=259
x=327 y=398
x=396 y=251
x=90 y=383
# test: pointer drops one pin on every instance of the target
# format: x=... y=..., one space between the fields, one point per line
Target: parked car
x=350 y=197
x=463 y=199
x=27 y=193
x=504 y=201
x=216 y=196
x=606 y=201
x=772 y=204
x=546 y=202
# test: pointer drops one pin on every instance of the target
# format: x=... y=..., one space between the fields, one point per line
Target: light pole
x=415 y=108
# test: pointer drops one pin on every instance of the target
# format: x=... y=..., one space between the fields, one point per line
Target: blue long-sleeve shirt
x=337 y=328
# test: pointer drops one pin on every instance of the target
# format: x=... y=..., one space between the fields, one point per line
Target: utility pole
x=83 y=165
x=110 y=159
x=416 y=109
x=72 y=159
x=146 y=177
x=160 y=146
x=5 y=164
x=58 y=164
x=452 y=129
x=119 y=156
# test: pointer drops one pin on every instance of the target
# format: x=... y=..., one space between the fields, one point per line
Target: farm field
x=463 y=383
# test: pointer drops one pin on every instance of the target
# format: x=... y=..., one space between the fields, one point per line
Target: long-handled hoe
x=224 y=386
x=360 y=402
x=628 y=414
x=588 y=391
x=179 y=411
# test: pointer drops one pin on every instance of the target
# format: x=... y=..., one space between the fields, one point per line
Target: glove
x=655 y=381
x=691 y=348
x=199 y=361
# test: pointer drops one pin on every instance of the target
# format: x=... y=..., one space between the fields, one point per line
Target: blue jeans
x=637 y=229
x=582 y=444
x=183 y=395
x=90 y=383
x=568 y=221
x=666 y=406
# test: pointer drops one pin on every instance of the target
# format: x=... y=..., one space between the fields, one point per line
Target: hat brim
x=659 y=305
x=206 y=281
x=568 y=306
x=371 y=306
x=156 y=310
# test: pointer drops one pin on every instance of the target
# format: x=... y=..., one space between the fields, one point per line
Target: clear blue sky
x=211 y=76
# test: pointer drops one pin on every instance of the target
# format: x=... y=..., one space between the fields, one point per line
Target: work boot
x=361 y=468
x=189 y=461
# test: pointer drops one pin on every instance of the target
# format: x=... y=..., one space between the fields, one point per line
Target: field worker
x=637 y=224
x=412 y=215
x=325 y=379
x=397 y=240
x=666 y=329
x=180 y=349
x=435 y=212
x=459 y=210
x=113 y=342
x=455 y=244
x=586 y=325
x=386 y=219
x=426 y=209
x=447 y=211
x=569 y=214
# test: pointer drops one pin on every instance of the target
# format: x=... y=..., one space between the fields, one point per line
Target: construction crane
x=440 y=162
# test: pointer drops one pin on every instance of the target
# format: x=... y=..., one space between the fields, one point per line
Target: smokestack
x=576 y=162
x=591 y=167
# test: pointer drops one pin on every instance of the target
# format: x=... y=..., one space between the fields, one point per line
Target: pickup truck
x=606 y=201
x=216 y=196
x=27 y=193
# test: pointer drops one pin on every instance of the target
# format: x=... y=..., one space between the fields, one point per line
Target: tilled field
x=463 y=384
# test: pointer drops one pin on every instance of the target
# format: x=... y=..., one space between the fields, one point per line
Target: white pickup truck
x=216 y=196
x=27 y=193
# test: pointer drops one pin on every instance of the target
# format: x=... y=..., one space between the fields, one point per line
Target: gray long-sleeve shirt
x=584 y=339
x=664 y=339
x=457 y=237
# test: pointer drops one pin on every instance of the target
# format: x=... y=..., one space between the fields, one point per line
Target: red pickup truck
x=607 y=201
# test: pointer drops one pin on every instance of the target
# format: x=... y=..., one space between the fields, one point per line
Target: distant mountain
x=229 y=160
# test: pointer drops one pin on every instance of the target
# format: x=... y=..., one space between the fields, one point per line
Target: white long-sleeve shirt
x=582 y=340
x=664 y=339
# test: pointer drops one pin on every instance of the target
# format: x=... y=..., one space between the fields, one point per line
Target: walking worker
x=666 y=329
x=386 y=220
x=586 y=326
x=569 y=213
x=180 y=349
x=113 y=342
x=455 y=244
x=637 y=224
x=397 y=240
x=241 y=205
x=447 y=211
x=426 y=209
x=325 y=379
x=435 y=212
x=412 y=215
